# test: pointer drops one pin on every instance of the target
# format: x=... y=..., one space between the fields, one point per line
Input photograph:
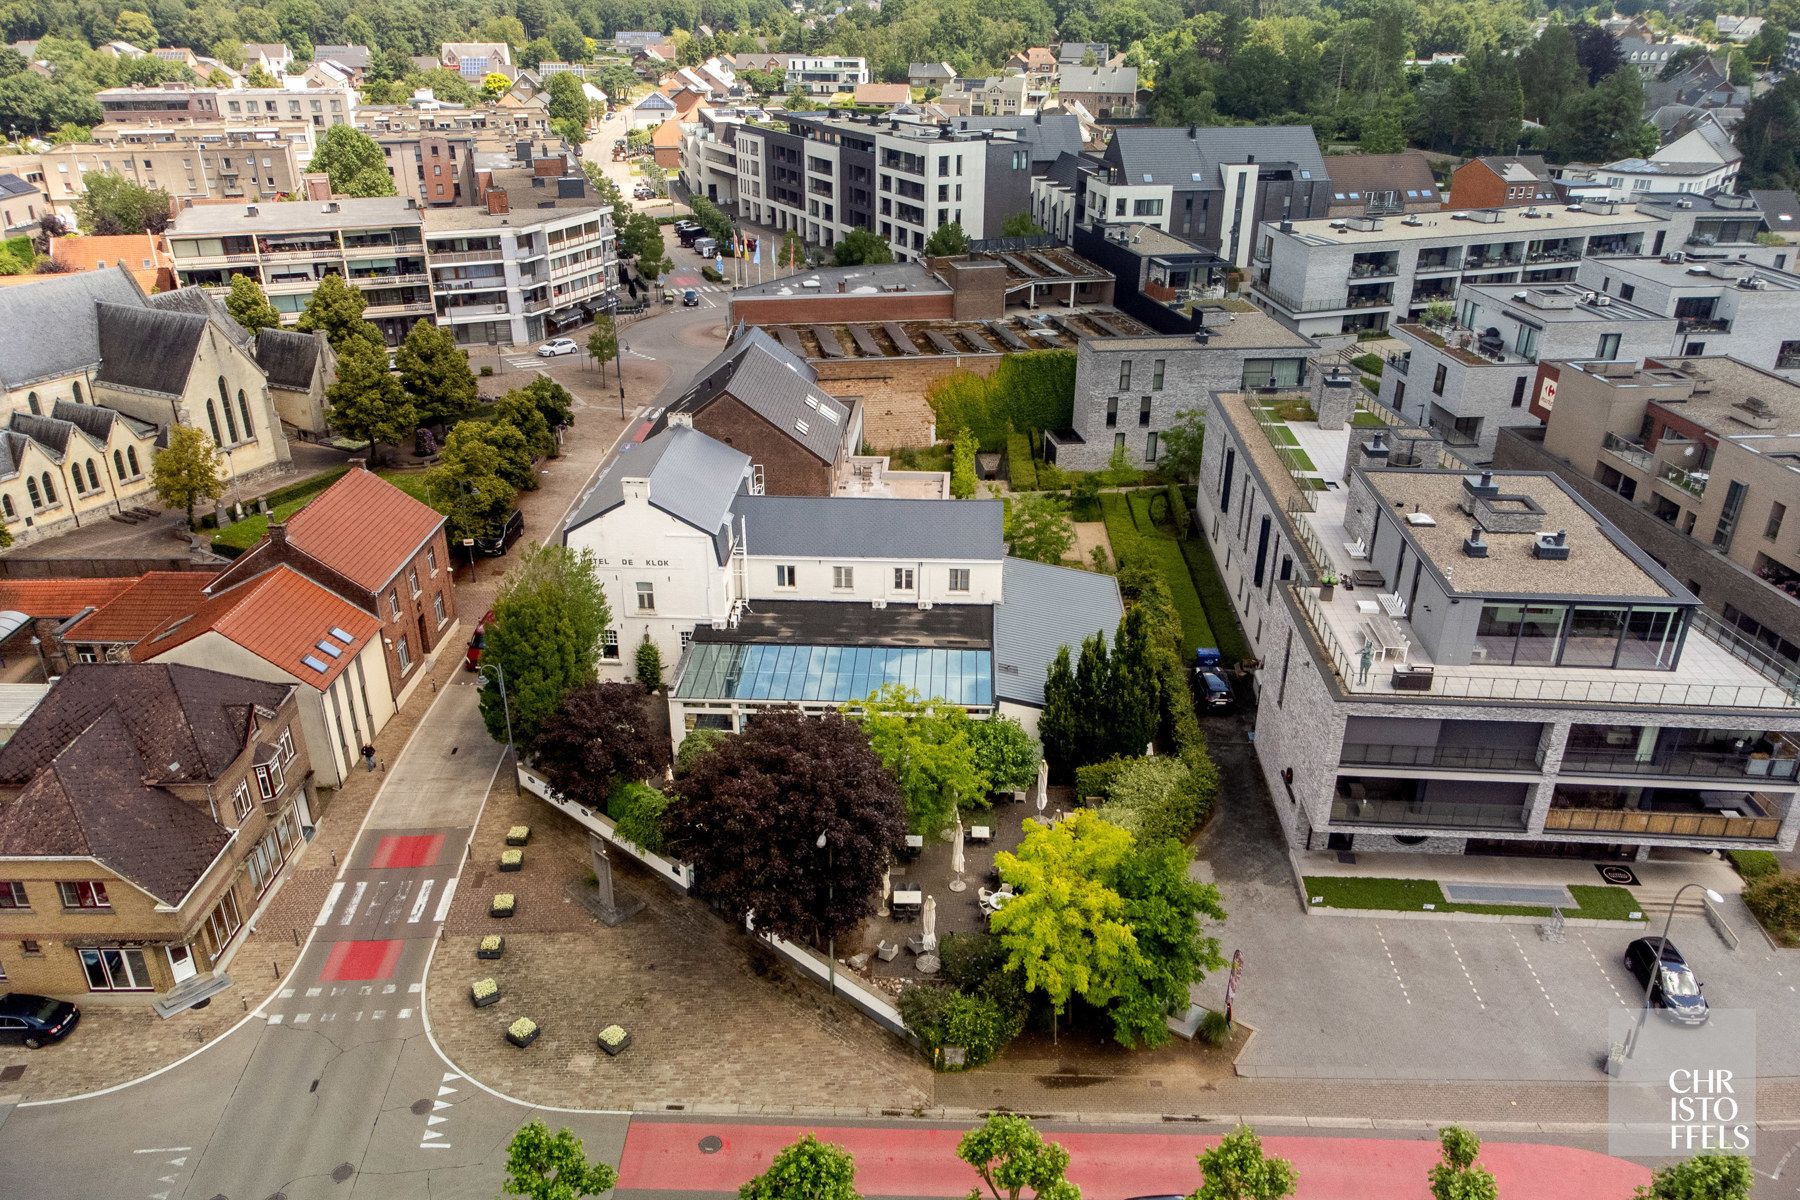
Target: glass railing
x=1691 y=482
x=1695 y=764
x=1452 y=758
x=1433 y=814
x=1628 y=450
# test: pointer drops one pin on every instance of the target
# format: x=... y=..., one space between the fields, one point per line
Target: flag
x=719 y=263
x=756 y=252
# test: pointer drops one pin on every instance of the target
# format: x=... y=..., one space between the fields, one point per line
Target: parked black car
x=35 y=1021
x=1212 y=690
x=501 y=541
x=1655 y=961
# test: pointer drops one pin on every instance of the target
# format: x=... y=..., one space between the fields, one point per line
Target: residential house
x=1034 y=60
x=1083 y=54
x=1106 y=92
x=1640 y=47
x=1381 y=184
x=106 y=631
x=882 y=95
x=22 y=206
x=823 y=75
x=38 y=608
x=665 y=145
x=651 y=111
x=272 y=57
x=189 y=162
x=146 y=812
x=1698 y=159
x=474 y=60
x=1738 y=29
x=939 y=75
x=354 y=59
x=1502 y=181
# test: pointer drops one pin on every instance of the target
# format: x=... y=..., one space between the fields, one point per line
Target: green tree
x=336 y=310
x=1162 y=908
x=553 y=401
x=947 y=241
x=567 y=101
x=649 y=665
x=365 y=403
x=603 y=342
x=135 y=27
x=1096 y=735
x=963 y=481
x=1021 y=225
x=435 y=372
x=1183 y=444
x=548 y=618
x=519 y=408
x=1769 y=137
x=926 y=745
x=1060 y=720
x=495 y=85
x=258 y=77
x=806 y=1170
x=545 y=1166
x=1005 y=755
x=1550 y=73
x=1382 y=132
x=1237 y=1169
x=470 y=485
x=187 y=471
x=861 y=247
x=113 y=204
x=1014 y=1160
x=1606 y=123
x=1457 y=1176
x=249 y=306
x=1704 y=1177
x=353 y=161
x=1136 y=705
x=1038 y=527
x=517 y=465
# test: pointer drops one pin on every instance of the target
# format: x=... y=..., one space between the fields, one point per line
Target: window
x=1150 y=447
x=30 y=948
x=241 y=802
x=1728 y=514
x=1124 y=374
x=609 y=645
x=49 y=489
x=1146 y=208
x=903 y=579
x=786 y=576
x=1144 y=411
x=270 y=779
x=1156 y=375
x=1112 y=411
x=959 y=579
x=1773 y=528
x=6 y=503
x=412 y=579
x=1627 y=291
x=403 y=651
x=93 y=477
x=394 y=602
x=84 y=894
x=212 y=419
x=1119 y=440
x=431 y=559
x=12 y=894
x=437 y=608
x=230 y=420
x=285 y=743
x=221 y=926
x=32 y=400
x=1437 y=381
x=131 y=458
x=843 y=578
x=244 y=412
x=119 y=463
x=31 y=490
x=115 y=969
x=1609 y=346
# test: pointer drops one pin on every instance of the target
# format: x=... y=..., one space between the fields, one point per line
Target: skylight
x=341 y=636
x=802 y=427
x=331 y=648
x=812 y=402
x=315 y=664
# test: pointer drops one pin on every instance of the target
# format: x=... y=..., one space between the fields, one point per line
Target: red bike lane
x=667 y=1156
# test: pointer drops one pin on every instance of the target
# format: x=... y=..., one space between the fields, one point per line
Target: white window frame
x=904 y=579
x=412 y=579
x=394 y=602
x=787 y=576
x=96 y=889
x=439 y=609
x=959 y=579
x=286 y=744
x=241 y=804
x=609 y=645
x=403 y=651
x=16 y=898
x=431 y=559
x=843 y=579
x=646 y=596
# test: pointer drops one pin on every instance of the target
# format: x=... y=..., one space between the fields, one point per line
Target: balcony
x=1442 y=757
x=438 y=257
x=1629 y=451
x=1429 y=263
x=1702 y=325
x=1662 y=812
x=1679 y=763
x=1427 y=814
x=1374 y=268
x=1400 y=362
x=1691 y=482
x=486 y=283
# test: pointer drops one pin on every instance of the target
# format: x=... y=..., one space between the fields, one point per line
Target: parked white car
x=557 y=347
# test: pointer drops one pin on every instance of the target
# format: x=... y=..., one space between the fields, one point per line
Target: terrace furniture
x=980 y=834
x=887 y=951
x=1412 y=679
x=1357 y=549
x=907 y=897
x=1368 y=577
x=917 y=944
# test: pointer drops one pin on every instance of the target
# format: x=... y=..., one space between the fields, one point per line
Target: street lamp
x=505 y=705
x=620 y=355
x=824 y=844
x=1650 y=980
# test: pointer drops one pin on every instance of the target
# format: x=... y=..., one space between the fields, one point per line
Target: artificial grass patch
x=1593 y=902
x=1362 y=419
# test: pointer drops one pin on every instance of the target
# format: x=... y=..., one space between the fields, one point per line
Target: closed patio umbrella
x=929 y=937
x=956 y=857
x=1043 y=788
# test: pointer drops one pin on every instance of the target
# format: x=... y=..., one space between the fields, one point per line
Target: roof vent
x=1421 y=520
x=1473 y=546
x=1482 y=485
x=249 y=210
x=1551 y=545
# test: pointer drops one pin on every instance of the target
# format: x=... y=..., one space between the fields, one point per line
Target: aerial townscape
x=908 y=599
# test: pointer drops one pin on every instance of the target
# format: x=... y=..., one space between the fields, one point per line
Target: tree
x=1769 y=137
x=600 y=736
x=519 y=408
x=1011 y=1156
x=553 y=401
x=365 y=403
x=963 y=481
x=1020 y=225
x=249 y=306
x=1458 y=1176
x=603 y=342
x=1550 y=72
x=545 y=1166
x=1135 y=706
x=495 y=85
x=354 y=162
x=113 y=204
x=1606 y=123
x=1059 y=722
x=1596 y=51
x=947 y=241
x=1162 y=909
x=472 y=485
x=548 y=618
x=927 y=746
x=861 y=247
x=1005 y=755
x=1038 y=527
x=749 y=816
x=135 y=27
x=806 y=1170
x=1096 y=733
x=1703 y=1177
x=649 y=665
x=1183 y=445
x=567 y=101
x=1237 y=1169
x=434 y=371
x=336 y=310
x=1382 y=132
x=187 y=470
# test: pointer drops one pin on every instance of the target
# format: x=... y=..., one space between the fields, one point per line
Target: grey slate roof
x=871 y=526
x=96 y=420
x=52 y=327
x=201 y=303
x=12 y=449
x=12 y=185
x=288 y=357
x=1120 y=81
x=354 y=57
x=778 y=386
x=1049 y=135
x=146 y=349
x=692 y=478
x=48 y=432
x=1043 y=609
x=1780 y=208
x=1172 y=157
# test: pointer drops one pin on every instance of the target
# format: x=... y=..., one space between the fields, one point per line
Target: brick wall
x=788 y=468
x=832 y=308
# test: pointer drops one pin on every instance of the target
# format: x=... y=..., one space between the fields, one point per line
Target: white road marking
x=418 y=908
x=439 y=1104
x=405 y=1013
x=432 y=1133
x=167 y=1178
x=448 y=1075
x=177 y=1149
x=443 y=908
x=312 y=992
x=331 y=899
x=446 y=1091
x=419 y=987
x=274 y=1018
x=287 y=993
x=1601 y=967
x=302 y=1018
x=1465 y=969
x=1533 y=970
x=378 y=1014
x=355 y=899
x=179 y=1162
x=390 y=989
x=436 y=1120
x=434 y=1145
x=1392 y=966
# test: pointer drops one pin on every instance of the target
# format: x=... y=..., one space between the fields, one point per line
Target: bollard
x=296 y=937
x=245 y=1000
x=334 y=858
x=275 y=967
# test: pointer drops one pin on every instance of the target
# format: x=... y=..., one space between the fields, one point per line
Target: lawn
x=1128 y=526
x=1215 y=599
x=1363 y=419
x=1594 y=902
x=244 y=534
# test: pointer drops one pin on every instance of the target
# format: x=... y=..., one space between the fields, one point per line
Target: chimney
x=277 y=534
x=1473 y=546
x=498 y=202
x=249 y=210
x=1193 y=132
x=637 y=491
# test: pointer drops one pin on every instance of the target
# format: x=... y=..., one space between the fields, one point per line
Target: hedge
x=1021 y=468
x=1775 y=899
x=1033 y=390
x=1163 y=553
x=1204 y=571
x=1754 y=864
x=1158 y=797
x=1368 y=364
x=636 y=810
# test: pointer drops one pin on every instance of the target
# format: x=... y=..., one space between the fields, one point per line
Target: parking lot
x=1388 y=998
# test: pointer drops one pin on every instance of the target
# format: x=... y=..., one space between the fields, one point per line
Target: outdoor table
x=980 y=833
x=904 y=897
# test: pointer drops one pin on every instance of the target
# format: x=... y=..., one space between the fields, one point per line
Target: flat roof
x=1255 y=330
x=1599 y=565
x=1576 y=308
x=910 y=278
x=1151 y=240
x=303 y=217
x=848 y=623
x=1701 y=273
x=1512 y=222
x=1728 y=383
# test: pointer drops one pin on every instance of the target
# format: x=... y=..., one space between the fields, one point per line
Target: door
x=181 y=964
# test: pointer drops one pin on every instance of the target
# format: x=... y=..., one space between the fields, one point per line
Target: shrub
x=612 y=1035
x=1775 y=899
x=971 y=958
x=1754 y=864
x=637 y=810
x=1167 y=796
x=483 y=988
x=512 y=858
x=518 y=835
x=1096 y=779
x=486 y=370
x=1033 y=390
x=1021 y=468
x=695 y=746
x=1214 y=1030
x=711 y=276
x=941 y=1017
x=963 y=479
x=1368 y=364
x=521 y=1029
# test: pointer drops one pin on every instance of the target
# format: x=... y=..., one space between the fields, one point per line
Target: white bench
x=1357 y=549
x=1392 y=604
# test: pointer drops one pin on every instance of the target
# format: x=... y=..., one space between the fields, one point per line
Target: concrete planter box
x=620 y=1040
x=522 y=1032
x=518 y=835
x=490 y=947
x=504 y=905
x=512 y=860
x=484 y=992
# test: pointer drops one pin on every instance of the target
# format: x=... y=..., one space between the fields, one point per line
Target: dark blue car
x=35 y=1020
x=1657 y=964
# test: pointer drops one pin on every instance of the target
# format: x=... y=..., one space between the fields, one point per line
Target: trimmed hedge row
x=1021 y=467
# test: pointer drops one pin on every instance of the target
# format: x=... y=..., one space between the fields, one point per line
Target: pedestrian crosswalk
x=364 y=903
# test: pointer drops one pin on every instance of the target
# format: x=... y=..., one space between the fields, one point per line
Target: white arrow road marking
x=166 y=1178
x=331 y=899
x=443 y=908
x=174 y=1149
x=448 y=1075
x=178 y=1162
x=355 y=899
x=437 y=1104
x=432 y=1133
x=418 y=908
x=446 y=1091
x=436 y=1120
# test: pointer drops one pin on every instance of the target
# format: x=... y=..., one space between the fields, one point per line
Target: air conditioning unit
x=1602 y=301
x=878 y=604
x=924 y=605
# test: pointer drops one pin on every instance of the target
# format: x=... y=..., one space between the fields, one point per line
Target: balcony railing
x=1432 y=814
x=1661 y=824
x=1691 y=482
x=1703 y=325
x=1400 y=362
x=1691 y=764
x=1437 y=264
x=1295 y=304
x=1378 y=270
x=1628 y=450
x=1449 y=758
x=439 y=257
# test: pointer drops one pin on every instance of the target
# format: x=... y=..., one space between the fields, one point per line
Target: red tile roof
x=364 y=528
x=58 y=597
x=281 y=617
x=151 y=600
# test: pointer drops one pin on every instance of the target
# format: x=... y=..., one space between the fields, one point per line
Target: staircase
x=180 y=999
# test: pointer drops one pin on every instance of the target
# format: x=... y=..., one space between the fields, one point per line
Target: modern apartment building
x=1458 y=662
x=1720 y=306
x=181 y=103
x=375 y=244
x=823 y=75
x=434 y=168
x=1698 y=461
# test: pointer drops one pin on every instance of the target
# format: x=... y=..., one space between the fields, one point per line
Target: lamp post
x=824 y=843
x=620 y=356
x=505 y=705
x=1662 y=943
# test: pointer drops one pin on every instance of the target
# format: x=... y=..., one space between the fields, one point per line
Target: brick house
x=370 y=543
x=146 y=810
x=1502 y=181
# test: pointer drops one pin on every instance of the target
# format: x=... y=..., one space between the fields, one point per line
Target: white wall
x=872 y=579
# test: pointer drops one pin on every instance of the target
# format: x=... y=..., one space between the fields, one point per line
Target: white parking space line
x=355 y=899
x=443 y=908
x=1601 y=967
x=1518 y=945
x=331 y=899
x=1394 y=967
x=418 y=908
x=1465 y=969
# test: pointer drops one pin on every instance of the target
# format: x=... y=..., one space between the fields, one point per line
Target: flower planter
x=484 y=992
x=522 y=1032
x=490 y=947
x=512 y=860
x=518 y=835
x=504 y=905
x=613 y=1039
